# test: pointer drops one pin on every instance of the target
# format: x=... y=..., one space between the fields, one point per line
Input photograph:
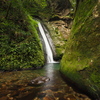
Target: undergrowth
x=19 y=40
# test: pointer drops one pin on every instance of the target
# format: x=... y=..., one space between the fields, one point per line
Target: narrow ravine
x=17 y=85
x=66 y=66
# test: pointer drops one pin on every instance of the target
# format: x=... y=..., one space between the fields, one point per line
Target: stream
x=16 y=85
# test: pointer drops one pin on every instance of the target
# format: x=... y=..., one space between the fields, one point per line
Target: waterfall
x=49 y=53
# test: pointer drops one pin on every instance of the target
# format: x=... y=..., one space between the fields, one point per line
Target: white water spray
x=47 y=45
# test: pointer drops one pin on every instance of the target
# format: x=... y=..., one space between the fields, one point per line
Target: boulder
x=40 y=80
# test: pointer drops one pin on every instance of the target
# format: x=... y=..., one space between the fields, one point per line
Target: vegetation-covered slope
x=81 y=60
x=20 y=45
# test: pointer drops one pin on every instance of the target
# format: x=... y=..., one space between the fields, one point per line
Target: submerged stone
x=40 y=80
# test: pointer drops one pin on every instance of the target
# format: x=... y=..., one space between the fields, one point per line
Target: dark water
x=16 y=85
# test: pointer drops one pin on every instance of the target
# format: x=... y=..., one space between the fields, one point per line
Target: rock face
x=59 y=25
x=59 y=34
x=81 y=60
x=60 y=5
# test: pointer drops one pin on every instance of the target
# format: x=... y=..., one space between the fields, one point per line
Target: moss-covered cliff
x=81 y=60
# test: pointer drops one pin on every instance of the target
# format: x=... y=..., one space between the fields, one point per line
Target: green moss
x=21 y=53
x=82 y=53
x=38 y=8
x=73 y=3
x=19 y=40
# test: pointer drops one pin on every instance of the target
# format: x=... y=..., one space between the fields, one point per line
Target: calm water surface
x=16 y=85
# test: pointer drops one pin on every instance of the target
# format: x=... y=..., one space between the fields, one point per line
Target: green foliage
x=73 y=3
x=19 y=40
x=37 y=8
x=41 y=3
x=22 y=55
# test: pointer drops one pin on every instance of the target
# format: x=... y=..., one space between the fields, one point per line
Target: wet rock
x=70 y=97
x=22 y=89
x=40 y=95
x=54 y=88
x=49 y=95
x=3 y=85
x=60 y=95
x=36 y=98
x=48 y=98
x=9 y=97
x=40 y=80
x=49 y=92
x=14 y=93
x=81 y=96
x=3 y=98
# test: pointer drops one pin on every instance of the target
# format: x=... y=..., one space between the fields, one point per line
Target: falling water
x=47 y=45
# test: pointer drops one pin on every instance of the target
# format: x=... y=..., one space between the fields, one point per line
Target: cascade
x=49 y=53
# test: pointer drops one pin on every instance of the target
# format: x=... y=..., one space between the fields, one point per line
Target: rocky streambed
x=17 y=85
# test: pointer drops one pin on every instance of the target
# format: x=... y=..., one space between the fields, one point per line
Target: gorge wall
x=81 y=60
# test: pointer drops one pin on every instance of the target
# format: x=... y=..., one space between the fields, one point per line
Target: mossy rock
x=82 y=56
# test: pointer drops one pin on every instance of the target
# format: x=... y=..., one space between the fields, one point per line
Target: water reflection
x=56 y=88
x=49 y=68
x=14 y=85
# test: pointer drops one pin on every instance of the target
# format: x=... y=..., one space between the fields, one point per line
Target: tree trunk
x=8 y=11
